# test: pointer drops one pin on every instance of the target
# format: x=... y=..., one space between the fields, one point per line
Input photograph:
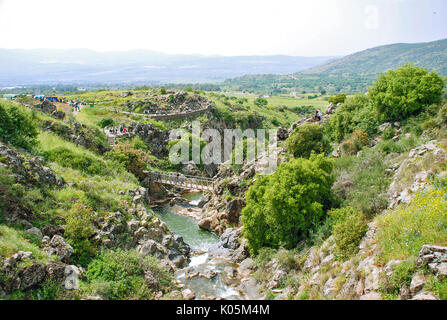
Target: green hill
x=351 y=74
x=430 y=55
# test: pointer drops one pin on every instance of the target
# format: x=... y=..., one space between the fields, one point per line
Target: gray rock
x=417 y=283
x=58 y=247
x=35 y=232
x=188 y=294
x=31 y=276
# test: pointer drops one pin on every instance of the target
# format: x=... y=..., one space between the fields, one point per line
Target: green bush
x=355 y=143
x=355 y=113
x=106 y=122
x=78 y=161
x=118 y=275
x=283 y=208
x=442 y=116
x=404 y=92
x=307 y=139
x=78 y=230
x=348 y=229
x=261 y=102
x=134 y=160
x=339 y=98
x=17 y=125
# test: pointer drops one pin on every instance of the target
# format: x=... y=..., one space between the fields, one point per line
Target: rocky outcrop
x=413 y=170
x=156 y=191
x=156 y=139
x=231 y=246
x=435 y=258
x=49 y=108
x=77 y=133
x=28 y=171
x=58 y=247
x=22 y=271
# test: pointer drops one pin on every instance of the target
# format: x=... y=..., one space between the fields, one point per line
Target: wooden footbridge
x=182 y=181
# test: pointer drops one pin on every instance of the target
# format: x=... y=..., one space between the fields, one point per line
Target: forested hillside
x=353 y=73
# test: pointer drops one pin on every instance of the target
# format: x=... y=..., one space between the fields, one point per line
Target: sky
x=216 y=27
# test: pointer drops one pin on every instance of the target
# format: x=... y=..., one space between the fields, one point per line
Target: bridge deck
x=184 y=181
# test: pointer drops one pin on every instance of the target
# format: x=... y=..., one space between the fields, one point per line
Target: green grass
x=438 y=287
x=403 y=231
x=12 y=241
x=362 y=182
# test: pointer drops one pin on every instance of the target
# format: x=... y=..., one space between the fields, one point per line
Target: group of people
x=121 y=129
x=171 y=176
x=75 y=104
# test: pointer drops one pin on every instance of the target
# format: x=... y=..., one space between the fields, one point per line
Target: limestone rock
x=417 y=283
x=58 y=247
x=35 y=232
x=188 y=294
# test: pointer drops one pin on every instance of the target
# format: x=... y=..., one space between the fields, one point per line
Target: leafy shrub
x=349 y=227
x=119 y=274
x=355 y=113
x=404 y=92
x=339 y=98
x=284 y=207
x=134 y=160
x=261 y=102
x=403 y=145
x=17 y=126
x=106 y=122
x=78 y=161
x=356 y=142
x=79 y=229
x=307 y=139
x=403 y=231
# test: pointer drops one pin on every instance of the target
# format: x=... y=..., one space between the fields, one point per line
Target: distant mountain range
x=257 y=73
x=45 y=66
x=353 y=73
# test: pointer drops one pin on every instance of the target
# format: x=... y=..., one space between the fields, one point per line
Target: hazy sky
x=225 y=27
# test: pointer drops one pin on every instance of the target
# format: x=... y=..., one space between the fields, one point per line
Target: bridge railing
x=186 y=181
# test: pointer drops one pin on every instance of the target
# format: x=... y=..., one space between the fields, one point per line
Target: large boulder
x=46 y=107
x=233 y=210
x=58 y=247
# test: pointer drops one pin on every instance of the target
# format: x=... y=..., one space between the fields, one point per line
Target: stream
x=206 y=277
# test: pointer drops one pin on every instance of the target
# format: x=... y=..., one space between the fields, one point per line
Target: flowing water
x=219 y=286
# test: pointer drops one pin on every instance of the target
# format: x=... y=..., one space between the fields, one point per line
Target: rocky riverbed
x=219 y=267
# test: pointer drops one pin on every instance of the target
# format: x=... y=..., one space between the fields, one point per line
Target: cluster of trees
x=396 y=96
x=283 y=209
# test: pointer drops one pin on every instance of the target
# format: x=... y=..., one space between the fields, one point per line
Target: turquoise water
x=198 y=239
